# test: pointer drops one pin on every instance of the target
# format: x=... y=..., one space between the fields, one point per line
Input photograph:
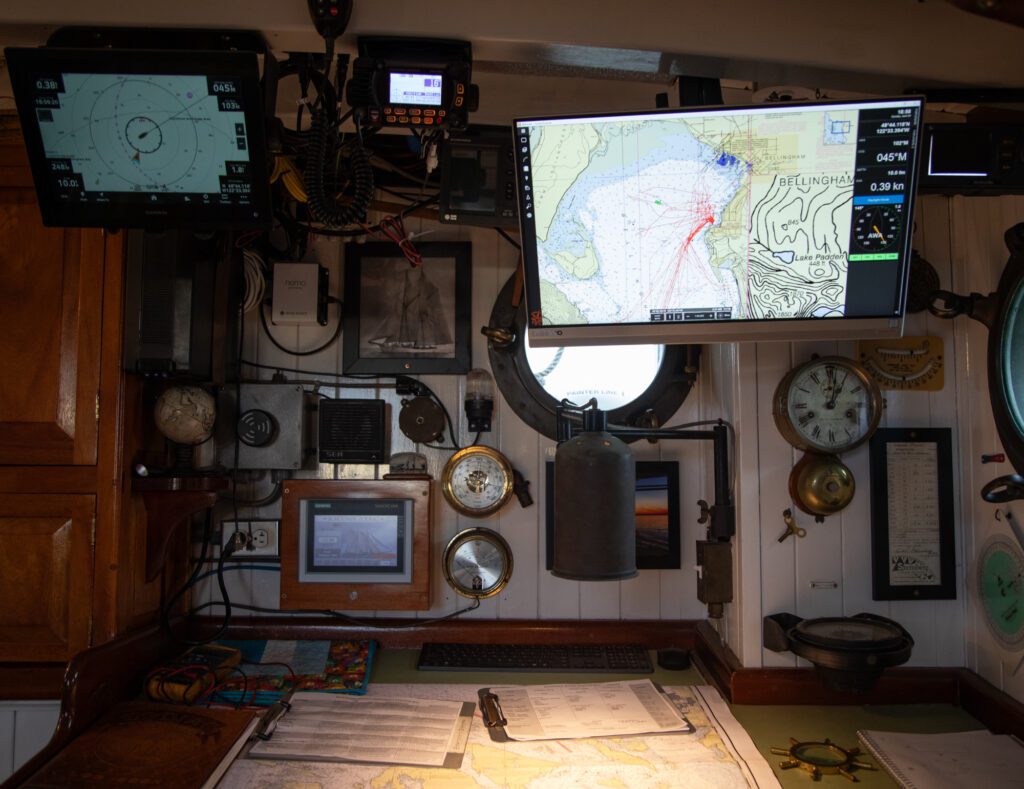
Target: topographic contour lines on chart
x=798 y=229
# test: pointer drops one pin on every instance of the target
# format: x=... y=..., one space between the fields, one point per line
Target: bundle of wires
x=255 y=280
x=289 y=175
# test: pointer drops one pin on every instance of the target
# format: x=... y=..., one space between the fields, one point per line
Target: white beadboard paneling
x=6 y=741
x=962 y=237
x=640 y=597
x=600 y=599
x=678 y=588
x=855 y=529
x=775 y=459
x=819 y=559
x=25 y=727
x=911 y=409
x=745 y=616
x=522 y=527
x=943 y=409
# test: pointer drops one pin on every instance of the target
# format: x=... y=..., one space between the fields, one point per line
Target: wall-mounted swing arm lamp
x=595 y=521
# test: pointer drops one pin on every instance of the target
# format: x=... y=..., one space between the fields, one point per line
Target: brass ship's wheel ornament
x=822 y=758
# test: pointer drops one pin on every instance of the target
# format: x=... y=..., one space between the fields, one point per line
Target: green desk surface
x=768 y=726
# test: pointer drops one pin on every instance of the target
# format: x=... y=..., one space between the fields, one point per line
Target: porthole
x=637 y=385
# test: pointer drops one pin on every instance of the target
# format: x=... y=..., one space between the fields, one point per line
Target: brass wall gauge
x=828 y=404
x=904 y=363
x=477 y=481
x=477 y=563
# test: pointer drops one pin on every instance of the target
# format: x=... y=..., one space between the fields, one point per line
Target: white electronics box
x=295 y=294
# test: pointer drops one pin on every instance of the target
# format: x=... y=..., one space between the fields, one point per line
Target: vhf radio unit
x=416 y=82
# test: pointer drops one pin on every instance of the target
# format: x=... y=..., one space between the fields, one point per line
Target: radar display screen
x=143 y=138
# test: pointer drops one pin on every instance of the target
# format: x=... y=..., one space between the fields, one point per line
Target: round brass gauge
x=828 y=404
x=477 y=563
x=821 y=484
x=821 y=758
x=477 y=481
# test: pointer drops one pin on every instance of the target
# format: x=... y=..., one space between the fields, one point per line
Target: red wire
x=394 y=228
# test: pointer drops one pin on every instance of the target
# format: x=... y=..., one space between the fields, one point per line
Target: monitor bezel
x=119 y=213
x=400 y=573
x=736 y=330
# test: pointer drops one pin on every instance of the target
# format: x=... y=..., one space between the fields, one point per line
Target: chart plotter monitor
x=764 y=222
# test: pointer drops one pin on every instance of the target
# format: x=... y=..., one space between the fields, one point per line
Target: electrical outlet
x=261 y=539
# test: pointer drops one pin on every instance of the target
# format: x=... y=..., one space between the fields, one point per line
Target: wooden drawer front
x=46 y=576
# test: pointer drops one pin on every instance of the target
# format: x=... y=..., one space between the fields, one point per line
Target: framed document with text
x=912 y=542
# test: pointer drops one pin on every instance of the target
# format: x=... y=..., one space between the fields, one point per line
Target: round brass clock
x=477 y=481
x=477 y=563
x=828 y=404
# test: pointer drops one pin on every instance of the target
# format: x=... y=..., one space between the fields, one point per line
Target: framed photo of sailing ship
x=405 y=319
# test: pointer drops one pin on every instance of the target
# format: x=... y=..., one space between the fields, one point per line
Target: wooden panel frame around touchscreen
x=297 y=594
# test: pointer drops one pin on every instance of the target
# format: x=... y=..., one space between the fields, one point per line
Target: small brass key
x=791 y=527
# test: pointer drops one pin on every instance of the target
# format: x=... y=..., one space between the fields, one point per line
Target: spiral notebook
x=951 y=760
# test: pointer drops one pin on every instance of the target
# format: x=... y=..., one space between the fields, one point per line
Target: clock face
x=827 y=405
x=478 y=563
x=477 y=481
x=1001 y=590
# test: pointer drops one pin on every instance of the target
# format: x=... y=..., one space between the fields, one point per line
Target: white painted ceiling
x=617 y=55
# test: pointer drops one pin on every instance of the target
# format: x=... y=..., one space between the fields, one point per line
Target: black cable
x=311 y=351
x=270 y=498
x=165 y=613
x=402 y=195
x=218 y=691
x=326 y=231
x=322 y=206
x=508 y=238
x=338 y=615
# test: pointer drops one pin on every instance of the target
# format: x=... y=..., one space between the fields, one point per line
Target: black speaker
x=353 y=431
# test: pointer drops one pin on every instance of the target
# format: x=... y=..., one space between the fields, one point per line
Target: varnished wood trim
x=412 y=596
x=803 y=686
x=114 y=522
x=33 y=479
x=997 y=710
x=714 y=659
x=410 y=633
x=31 y=681
x=96 y=679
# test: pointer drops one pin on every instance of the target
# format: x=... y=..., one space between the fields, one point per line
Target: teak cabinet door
x=46 y=575
x=51 y=298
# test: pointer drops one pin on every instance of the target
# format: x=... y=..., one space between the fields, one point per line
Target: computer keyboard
x=587 y=658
